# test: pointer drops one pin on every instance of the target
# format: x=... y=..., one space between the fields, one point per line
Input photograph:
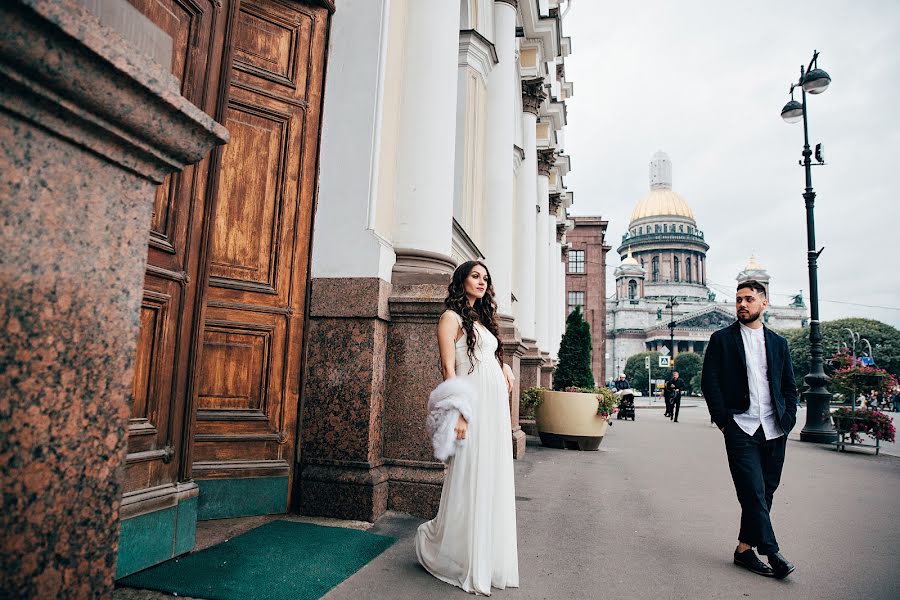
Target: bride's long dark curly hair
x=483 y=309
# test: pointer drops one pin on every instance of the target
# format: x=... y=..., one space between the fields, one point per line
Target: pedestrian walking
x=748 y=383
x=672 y=395
x=471 y=543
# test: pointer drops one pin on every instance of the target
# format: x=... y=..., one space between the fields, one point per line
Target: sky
x=705 y=82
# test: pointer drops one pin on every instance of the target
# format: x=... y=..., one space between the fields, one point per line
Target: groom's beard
x=748 y=317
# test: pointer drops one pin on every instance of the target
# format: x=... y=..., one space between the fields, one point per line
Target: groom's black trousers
x=755 y=465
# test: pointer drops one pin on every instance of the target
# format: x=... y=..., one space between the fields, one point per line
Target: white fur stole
x=449 y=400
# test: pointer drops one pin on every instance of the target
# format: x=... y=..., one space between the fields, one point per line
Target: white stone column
x=553 y=284
x=542 y=252
x=346 y=243
x=423 y=225
x=497 y=242
x=526 y=214
x=559 y=298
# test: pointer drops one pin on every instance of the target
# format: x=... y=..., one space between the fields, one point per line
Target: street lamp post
x=856 y=338
x=671 y=304
x=818 y=426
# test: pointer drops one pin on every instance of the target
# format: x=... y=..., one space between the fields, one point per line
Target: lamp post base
x=818 y=428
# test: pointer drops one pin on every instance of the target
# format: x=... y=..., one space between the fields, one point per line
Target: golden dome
x=753 y=264
x=662 y=202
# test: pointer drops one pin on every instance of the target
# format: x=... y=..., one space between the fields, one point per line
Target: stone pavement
x=653 y=514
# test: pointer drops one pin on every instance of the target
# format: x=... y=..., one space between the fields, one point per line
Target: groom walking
x=748 y=383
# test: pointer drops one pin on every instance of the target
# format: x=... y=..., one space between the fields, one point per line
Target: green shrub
x=574 y=367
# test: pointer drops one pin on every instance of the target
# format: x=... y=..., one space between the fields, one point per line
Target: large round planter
x=570 y=420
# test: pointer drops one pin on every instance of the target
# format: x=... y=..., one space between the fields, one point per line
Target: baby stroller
x=626 y=404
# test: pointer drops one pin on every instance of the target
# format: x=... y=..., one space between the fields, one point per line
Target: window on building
x=681 y=228
x=640 y=230
x=576 y=299
x=576 y=261
x=677 y=270
x=655 y=264
x=687 y=270
x=632 y=289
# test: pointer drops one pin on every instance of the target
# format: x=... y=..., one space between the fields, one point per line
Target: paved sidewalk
x=653 y=514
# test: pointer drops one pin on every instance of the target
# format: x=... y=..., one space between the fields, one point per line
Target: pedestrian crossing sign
x=664 y=361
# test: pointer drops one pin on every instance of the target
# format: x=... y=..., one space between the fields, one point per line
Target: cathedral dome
x=662 y=203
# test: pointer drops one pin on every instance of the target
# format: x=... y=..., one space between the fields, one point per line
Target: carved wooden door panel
x=250 y=367
x=168 y=312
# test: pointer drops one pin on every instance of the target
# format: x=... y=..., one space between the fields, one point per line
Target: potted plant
x=574 y=414
x=575 y=418
x=528 y=403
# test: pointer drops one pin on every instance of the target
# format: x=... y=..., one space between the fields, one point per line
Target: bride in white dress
x=471 y=543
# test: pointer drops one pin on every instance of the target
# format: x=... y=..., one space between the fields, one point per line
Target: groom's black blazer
x=724 y=378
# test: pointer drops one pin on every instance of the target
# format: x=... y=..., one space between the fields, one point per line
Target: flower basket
x=863 y=421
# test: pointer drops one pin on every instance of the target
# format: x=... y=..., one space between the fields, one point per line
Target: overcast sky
x=705 y=81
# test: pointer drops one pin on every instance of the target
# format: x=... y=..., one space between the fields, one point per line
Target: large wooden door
x=248 y=388
x=169 y=311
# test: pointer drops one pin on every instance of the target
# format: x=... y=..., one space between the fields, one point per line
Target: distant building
x=586 y=283
x=663 y=257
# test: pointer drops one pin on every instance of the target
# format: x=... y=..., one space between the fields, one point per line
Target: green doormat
x=282 y=559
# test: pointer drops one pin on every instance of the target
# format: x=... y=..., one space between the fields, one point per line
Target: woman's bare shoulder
x=450 y=315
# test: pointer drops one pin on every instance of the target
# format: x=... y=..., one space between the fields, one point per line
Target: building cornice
x=518 y=158
x=661 y=242
x=478 y=52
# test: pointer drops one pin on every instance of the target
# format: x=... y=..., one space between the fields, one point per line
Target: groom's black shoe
x=751 y=562
x=781 y=566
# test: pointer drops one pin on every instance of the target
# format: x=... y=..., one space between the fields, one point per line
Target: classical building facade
x=661 y=280
x=244 y=319
x=457 y=156
x=585 y=253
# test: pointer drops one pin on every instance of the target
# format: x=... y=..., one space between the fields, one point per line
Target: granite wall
x=89 y=127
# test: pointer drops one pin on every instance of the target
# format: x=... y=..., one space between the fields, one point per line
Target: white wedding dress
x=471 y=543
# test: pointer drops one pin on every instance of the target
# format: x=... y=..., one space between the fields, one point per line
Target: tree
x=689 y=365
x=885 y=342
x=636 y=372
x=574 y=367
